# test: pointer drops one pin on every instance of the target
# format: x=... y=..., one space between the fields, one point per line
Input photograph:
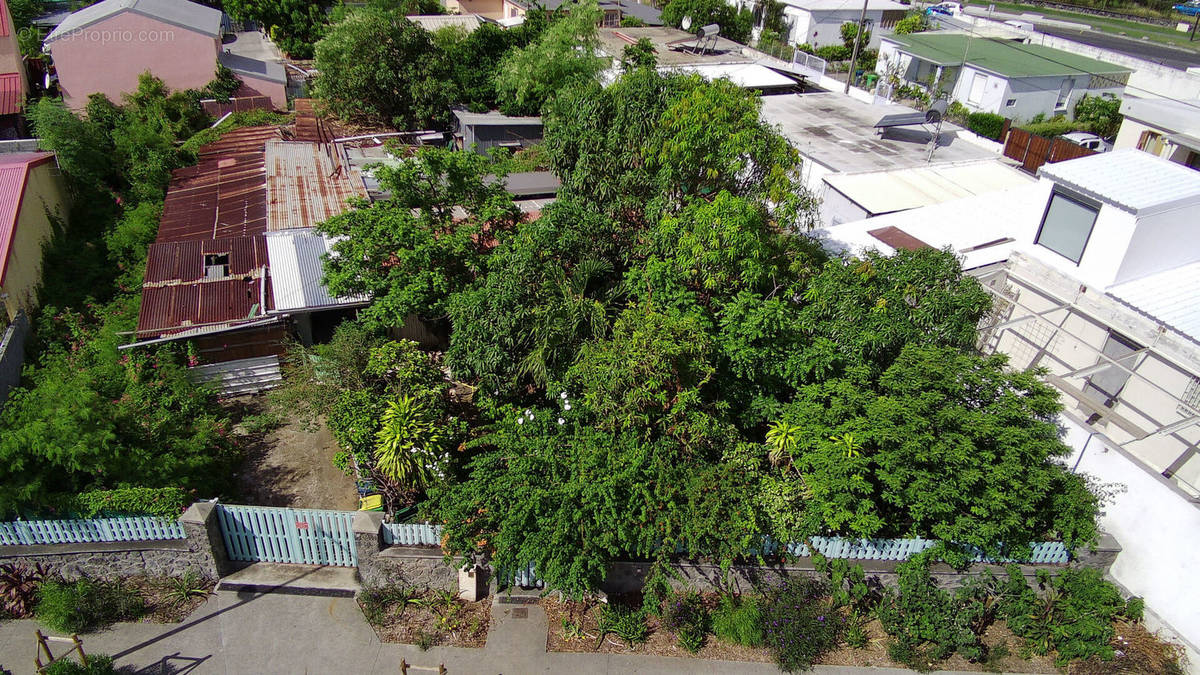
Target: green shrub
x=625 y=622
x=162 y=502
x=85 y=605
x=98 y=664
x=988 y=125
x=687 y=617
x=1072 y=615
x=911 y=92
x=926 y=623
x=800 y=623
x=833 y=52
x=738 y=621
x=958 y=113
x=1053 y=127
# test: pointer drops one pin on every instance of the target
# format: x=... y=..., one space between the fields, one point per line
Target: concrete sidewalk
x=272 y=633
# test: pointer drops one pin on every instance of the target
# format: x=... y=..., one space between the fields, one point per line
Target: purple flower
x=821 y=619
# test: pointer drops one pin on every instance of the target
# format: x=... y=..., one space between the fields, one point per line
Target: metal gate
x=281 y=535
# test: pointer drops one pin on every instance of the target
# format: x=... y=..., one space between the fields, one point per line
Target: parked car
x=1089 y=141
x=1191 y=8
x=946 y=8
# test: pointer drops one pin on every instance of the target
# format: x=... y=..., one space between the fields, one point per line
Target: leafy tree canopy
x=735 y=24
x=564 y=53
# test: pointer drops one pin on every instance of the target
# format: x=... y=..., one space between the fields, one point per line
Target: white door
x=977 y=86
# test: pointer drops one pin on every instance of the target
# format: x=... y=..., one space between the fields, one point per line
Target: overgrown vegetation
x=988 y=125
x=89 y=418
x=83 y=606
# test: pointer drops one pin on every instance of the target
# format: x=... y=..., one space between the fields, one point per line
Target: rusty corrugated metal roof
x=11 y=99
x=307 y=184
x=309 y=126
x=898 y=238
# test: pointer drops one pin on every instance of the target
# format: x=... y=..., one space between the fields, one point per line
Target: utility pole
x=1194 y=25
x=862 y=20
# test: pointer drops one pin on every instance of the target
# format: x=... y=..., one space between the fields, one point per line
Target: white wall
x=1156 y=527
x=1105 y=250
x=824 y=27
x=1161 y=242
x=837 y=208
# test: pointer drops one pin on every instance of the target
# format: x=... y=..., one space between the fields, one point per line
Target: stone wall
x=414 y=566
x=202 y=552
x=115 y=560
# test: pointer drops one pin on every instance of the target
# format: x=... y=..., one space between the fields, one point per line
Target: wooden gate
x=281 y=535
x=1032 y=151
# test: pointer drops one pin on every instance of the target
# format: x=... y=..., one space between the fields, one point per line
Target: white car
x=1086 y=140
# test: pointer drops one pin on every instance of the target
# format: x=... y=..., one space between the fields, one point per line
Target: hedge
x=988 y=125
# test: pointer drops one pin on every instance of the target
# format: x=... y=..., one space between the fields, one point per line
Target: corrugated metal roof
x=11 y=99
x=309 y=126
x=184 y=260
x=881 y=192
x=897 y=238
x=169 y=308
x=225 y=194
x=493 y=118
x=1172 y=297
x=1130 y=179
x=435 y=22
x=181 y=13
x=307 y=184
x=297 y=265
x=14 y=175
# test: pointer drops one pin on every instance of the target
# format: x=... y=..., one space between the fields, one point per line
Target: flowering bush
x=687 y=617
x=800 y=623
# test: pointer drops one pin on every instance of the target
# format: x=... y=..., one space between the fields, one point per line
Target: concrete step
x=322 y=580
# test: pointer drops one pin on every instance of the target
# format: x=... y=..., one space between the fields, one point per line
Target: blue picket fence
x=903 y=549
x=412 y=534
x=85 y=530
x=282 y=535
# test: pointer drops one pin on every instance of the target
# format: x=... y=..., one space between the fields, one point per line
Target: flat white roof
x=1130 y=179
x=845 y=5
x=1171 y=296
x=983 y=229
x=296 y=267
x=880 y=192
x=747 y=75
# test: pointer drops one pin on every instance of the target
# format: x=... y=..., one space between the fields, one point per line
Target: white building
x=819 y=22
x=1095 y=270
x=1009 y=78
x=1164 y=127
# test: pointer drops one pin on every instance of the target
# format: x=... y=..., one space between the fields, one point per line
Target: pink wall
x=255 y=87
x=108 y=56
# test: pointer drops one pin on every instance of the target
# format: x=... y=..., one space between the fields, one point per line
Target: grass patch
x=1163 y=35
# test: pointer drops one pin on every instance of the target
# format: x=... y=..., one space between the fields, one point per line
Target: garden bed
x=164 y=602
x=425 y=618
x=1138 y=650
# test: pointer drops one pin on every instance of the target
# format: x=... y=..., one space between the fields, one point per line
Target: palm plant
x=408 y=444
x=571 y=317
x=782 y=437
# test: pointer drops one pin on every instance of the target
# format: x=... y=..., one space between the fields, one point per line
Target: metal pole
x=1194 y=24
x=862 y=19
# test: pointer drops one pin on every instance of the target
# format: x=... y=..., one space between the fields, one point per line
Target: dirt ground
x=429 y=619
x=290 y=466
x=663 y=643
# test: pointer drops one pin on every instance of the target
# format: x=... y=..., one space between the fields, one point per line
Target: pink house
x=105 y=47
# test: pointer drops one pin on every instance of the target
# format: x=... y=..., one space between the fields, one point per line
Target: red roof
x=11 y=99
x=14 y=175
x=218 y=206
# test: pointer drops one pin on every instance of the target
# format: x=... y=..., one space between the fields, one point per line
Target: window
x=1010 y=102
x=612 y=19
x=977 y=86
x=1151 y=142
x=1066 y=225
x=1064 y=93
x=216 y=265
x=1106 y=385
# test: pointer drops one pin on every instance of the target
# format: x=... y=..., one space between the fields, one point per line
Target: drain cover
x=520 y=612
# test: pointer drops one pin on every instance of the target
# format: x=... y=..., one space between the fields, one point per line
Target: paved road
x=1168 y=56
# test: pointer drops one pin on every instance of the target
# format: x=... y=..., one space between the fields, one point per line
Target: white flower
x=528 y=413
x=562 y=394
x=567 y=406
x=520 y=420
x=561 y=421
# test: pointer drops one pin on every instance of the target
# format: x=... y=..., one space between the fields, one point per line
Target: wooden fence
x=140 y=528
x=1032 y=151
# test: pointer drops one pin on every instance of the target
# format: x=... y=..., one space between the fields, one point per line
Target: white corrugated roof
x=747 y=75
x=180 y=13
x=1130 y=179
x=1172 y=297
x=845 y=5
x=435 y=22
x=297 y=264
x=983 y=229
x=882 y=192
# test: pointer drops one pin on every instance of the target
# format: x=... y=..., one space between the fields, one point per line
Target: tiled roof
x=181 y=13
x=1130 y=179
x=14 y=174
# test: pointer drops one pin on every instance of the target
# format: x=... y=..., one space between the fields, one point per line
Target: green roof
x=1003 y=57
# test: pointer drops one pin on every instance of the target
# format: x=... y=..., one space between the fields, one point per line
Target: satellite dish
x=686 y=23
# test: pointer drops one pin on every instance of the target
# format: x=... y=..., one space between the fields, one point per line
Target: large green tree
x=562 y=54
x=377 y=66
x=735 y=23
